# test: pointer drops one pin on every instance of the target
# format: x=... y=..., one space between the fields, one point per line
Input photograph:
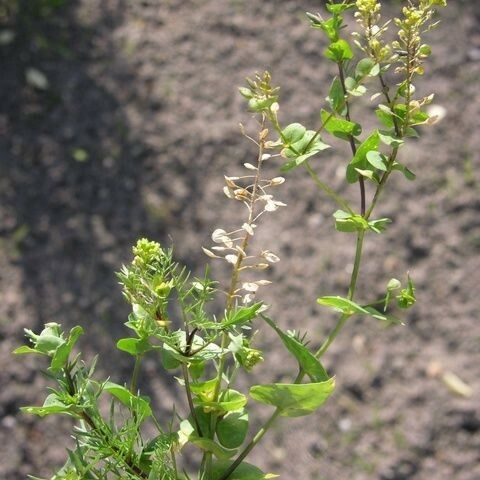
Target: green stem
x=135 y=374
x=351 y=293
x=258 y=436
x=336 y=330
x=351 y=138
x=188 y=391
x=382 y=183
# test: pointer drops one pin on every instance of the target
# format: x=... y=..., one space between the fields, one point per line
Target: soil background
x=131 y=137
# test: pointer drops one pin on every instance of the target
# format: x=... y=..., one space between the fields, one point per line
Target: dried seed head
x=218 y=235
x=248 y=228
x=228 y=193
x=250 y=286
x=231 y=259
x=277 y=181
x=209 y=253
x=270 y=256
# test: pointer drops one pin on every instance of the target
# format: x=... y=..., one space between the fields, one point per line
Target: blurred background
x=118 y=120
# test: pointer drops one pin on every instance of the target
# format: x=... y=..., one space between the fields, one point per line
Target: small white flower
x=249 y=166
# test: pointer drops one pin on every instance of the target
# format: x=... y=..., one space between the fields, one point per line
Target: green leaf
x=245 y=471
x=339 y=51
x=338 y=8
x=134 y=346
x=390 y=139
x=346 y=222
x=380 y=225
x=203 y=420
x=360 y=158
x=241 y=315
x=354 y=87
x=52 y=405
x=407 y=296
x=307 y=361
x=377 y=160
x=331 y=27
x=385 y=117
x=231 y=400
x=390 y=319
x=294 y=400
x=208 y=445
x=60 y=357
x=336 y=97
x=293 y=133
x=342 y=305
x=172 y=358
x=204 y=389
x=140 y=405
x=232 y=429
x=409 y=175
x=196 y=368
x=348 y=307
x=24 y=349
x=310 y=144
x=366 y=68
x=339 y=127
x=370 y=174
x=169 y=360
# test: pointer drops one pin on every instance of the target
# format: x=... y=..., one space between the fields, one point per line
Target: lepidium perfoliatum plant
x=172 y=312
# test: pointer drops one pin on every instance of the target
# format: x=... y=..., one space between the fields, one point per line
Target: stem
x=338 y=327
x=351 y=139
x=258 y=436
x=207 y=457
x=136 y=372
x=351 y=293
x=382 y=183
x=188 y=391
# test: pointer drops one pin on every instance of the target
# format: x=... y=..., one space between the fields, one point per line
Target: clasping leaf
x=294 y=400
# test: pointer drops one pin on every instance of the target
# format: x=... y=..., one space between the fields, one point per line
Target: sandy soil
x=144 y=95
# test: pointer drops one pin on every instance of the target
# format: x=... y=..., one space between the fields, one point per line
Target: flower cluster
x=255 y=193
x=370 y=40
x=416 y=19
x=147 y=282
